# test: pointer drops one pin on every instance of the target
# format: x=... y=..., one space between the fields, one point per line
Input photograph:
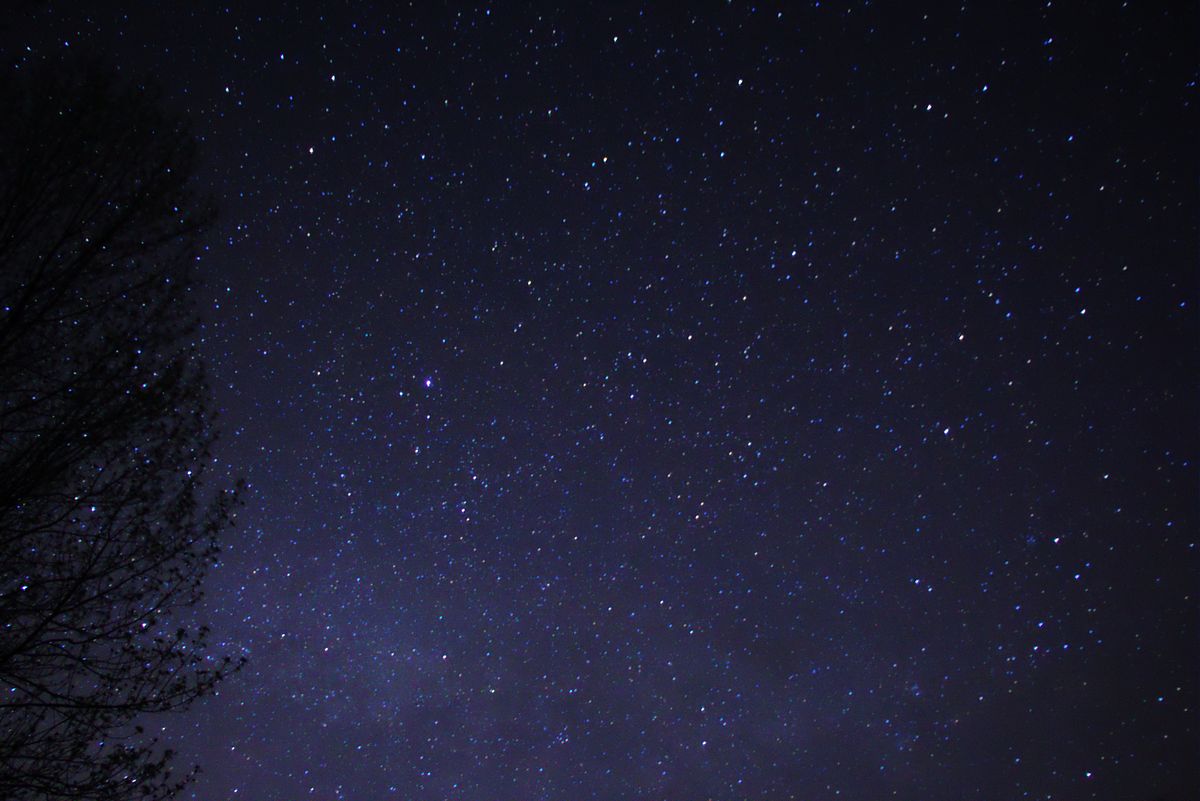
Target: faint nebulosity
x=781 y=401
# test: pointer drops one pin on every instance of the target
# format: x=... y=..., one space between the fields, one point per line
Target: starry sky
x=692 y=401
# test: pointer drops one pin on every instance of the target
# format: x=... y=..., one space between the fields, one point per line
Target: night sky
x=648 y=402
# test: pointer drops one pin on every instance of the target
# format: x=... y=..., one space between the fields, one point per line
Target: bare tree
x=106 y=529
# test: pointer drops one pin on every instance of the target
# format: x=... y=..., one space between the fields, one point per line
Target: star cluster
x=748 y=401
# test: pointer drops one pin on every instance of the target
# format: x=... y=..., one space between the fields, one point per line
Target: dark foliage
x=106 y=530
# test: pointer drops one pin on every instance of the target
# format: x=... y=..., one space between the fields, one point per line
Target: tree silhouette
x=106 y=530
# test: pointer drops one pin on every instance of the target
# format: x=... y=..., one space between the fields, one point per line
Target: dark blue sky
x=743 y=402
